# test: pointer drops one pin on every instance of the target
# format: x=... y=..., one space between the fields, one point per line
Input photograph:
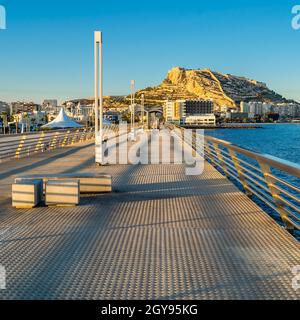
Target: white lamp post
x=98 y=129
x=132 y=107
x=143 y=109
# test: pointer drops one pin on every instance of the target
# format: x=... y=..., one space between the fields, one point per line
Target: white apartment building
x=174 y=110
x=258 y=108
x=254 y=108
x=287 y=109
x=196 y=111
x=203 y=119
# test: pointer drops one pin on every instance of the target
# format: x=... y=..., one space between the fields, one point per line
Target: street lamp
x=132 y=108
x=143 y=109
x=98 y=124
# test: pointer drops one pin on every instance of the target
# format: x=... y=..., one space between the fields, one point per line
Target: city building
x=244 y=107
x=241 y=116
x=4 y=107
x=30 y=120
x=81 y=113
x=196 y=107
x=267 y=108
x=50 y=103
x=289 y=110
x=202 y=119
x=179 y=110
x=174 y=111
x=21 y=106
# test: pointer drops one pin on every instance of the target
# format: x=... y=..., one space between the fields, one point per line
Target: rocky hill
x=180 y=83
x=224 y=89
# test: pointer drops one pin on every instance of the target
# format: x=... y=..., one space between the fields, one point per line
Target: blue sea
x=280 y=140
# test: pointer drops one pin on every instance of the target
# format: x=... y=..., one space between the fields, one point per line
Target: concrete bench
x=89 y=182
x=62 y=193
x=27 y=194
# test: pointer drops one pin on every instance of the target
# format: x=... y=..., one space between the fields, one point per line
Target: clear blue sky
x=47 y=49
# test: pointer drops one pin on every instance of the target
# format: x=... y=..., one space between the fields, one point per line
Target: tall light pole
x=132 y=87
x=98 y=63
x=143 y=109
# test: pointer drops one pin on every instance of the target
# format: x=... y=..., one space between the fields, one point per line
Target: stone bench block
x=62 y=192
x=27 y=194
x=92 y=183
x=89 y=182
x=41 y=184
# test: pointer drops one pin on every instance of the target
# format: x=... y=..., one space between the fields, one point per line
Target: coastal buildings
x=190 y=112
x=252 y=108
x=197 y=107
x=256 y=109
x=21 y=106
x=204 y=120
x=290 y=110
x=237 y=116
x=29 y=121
x=174 y=111
x=50 y=103
x=4 y=107
x=82 y=113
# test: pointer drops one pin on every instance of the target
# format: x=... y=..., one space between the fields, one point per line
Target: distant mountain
x=224 y=89
x=181 y=83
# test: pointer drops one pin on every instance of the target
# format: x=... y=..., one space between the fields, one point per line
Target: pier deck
x=159 y=235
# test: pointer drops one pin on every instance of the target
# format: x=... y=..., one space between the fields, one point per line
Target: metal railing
x=273 y=181
x=28 y=144
x=19 y=146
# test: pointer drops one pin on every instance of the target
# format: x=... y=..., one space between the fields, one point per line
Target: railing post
x=40 y=142
x=54 y=141
x=240 y=172
x=207 y=151
x=66 y=138
x=20 y=147
x=221 y=160
x=83 y=135
x=266 y=170
x=74 y=140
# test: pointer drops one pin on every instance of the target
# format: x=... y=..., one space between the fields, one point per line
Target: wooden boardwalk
x=159 y=235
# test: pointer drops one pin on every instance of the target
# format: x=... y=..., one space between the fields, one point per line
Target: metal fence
x=28 y=144
x=273 y=181
x=19 y=146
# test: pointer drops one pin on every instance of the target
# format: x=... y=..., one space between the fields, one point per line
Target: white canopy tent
x=62 y=121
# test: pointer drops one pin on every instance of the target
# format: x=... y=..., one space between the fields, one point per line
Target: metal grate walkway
x=159 y=235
